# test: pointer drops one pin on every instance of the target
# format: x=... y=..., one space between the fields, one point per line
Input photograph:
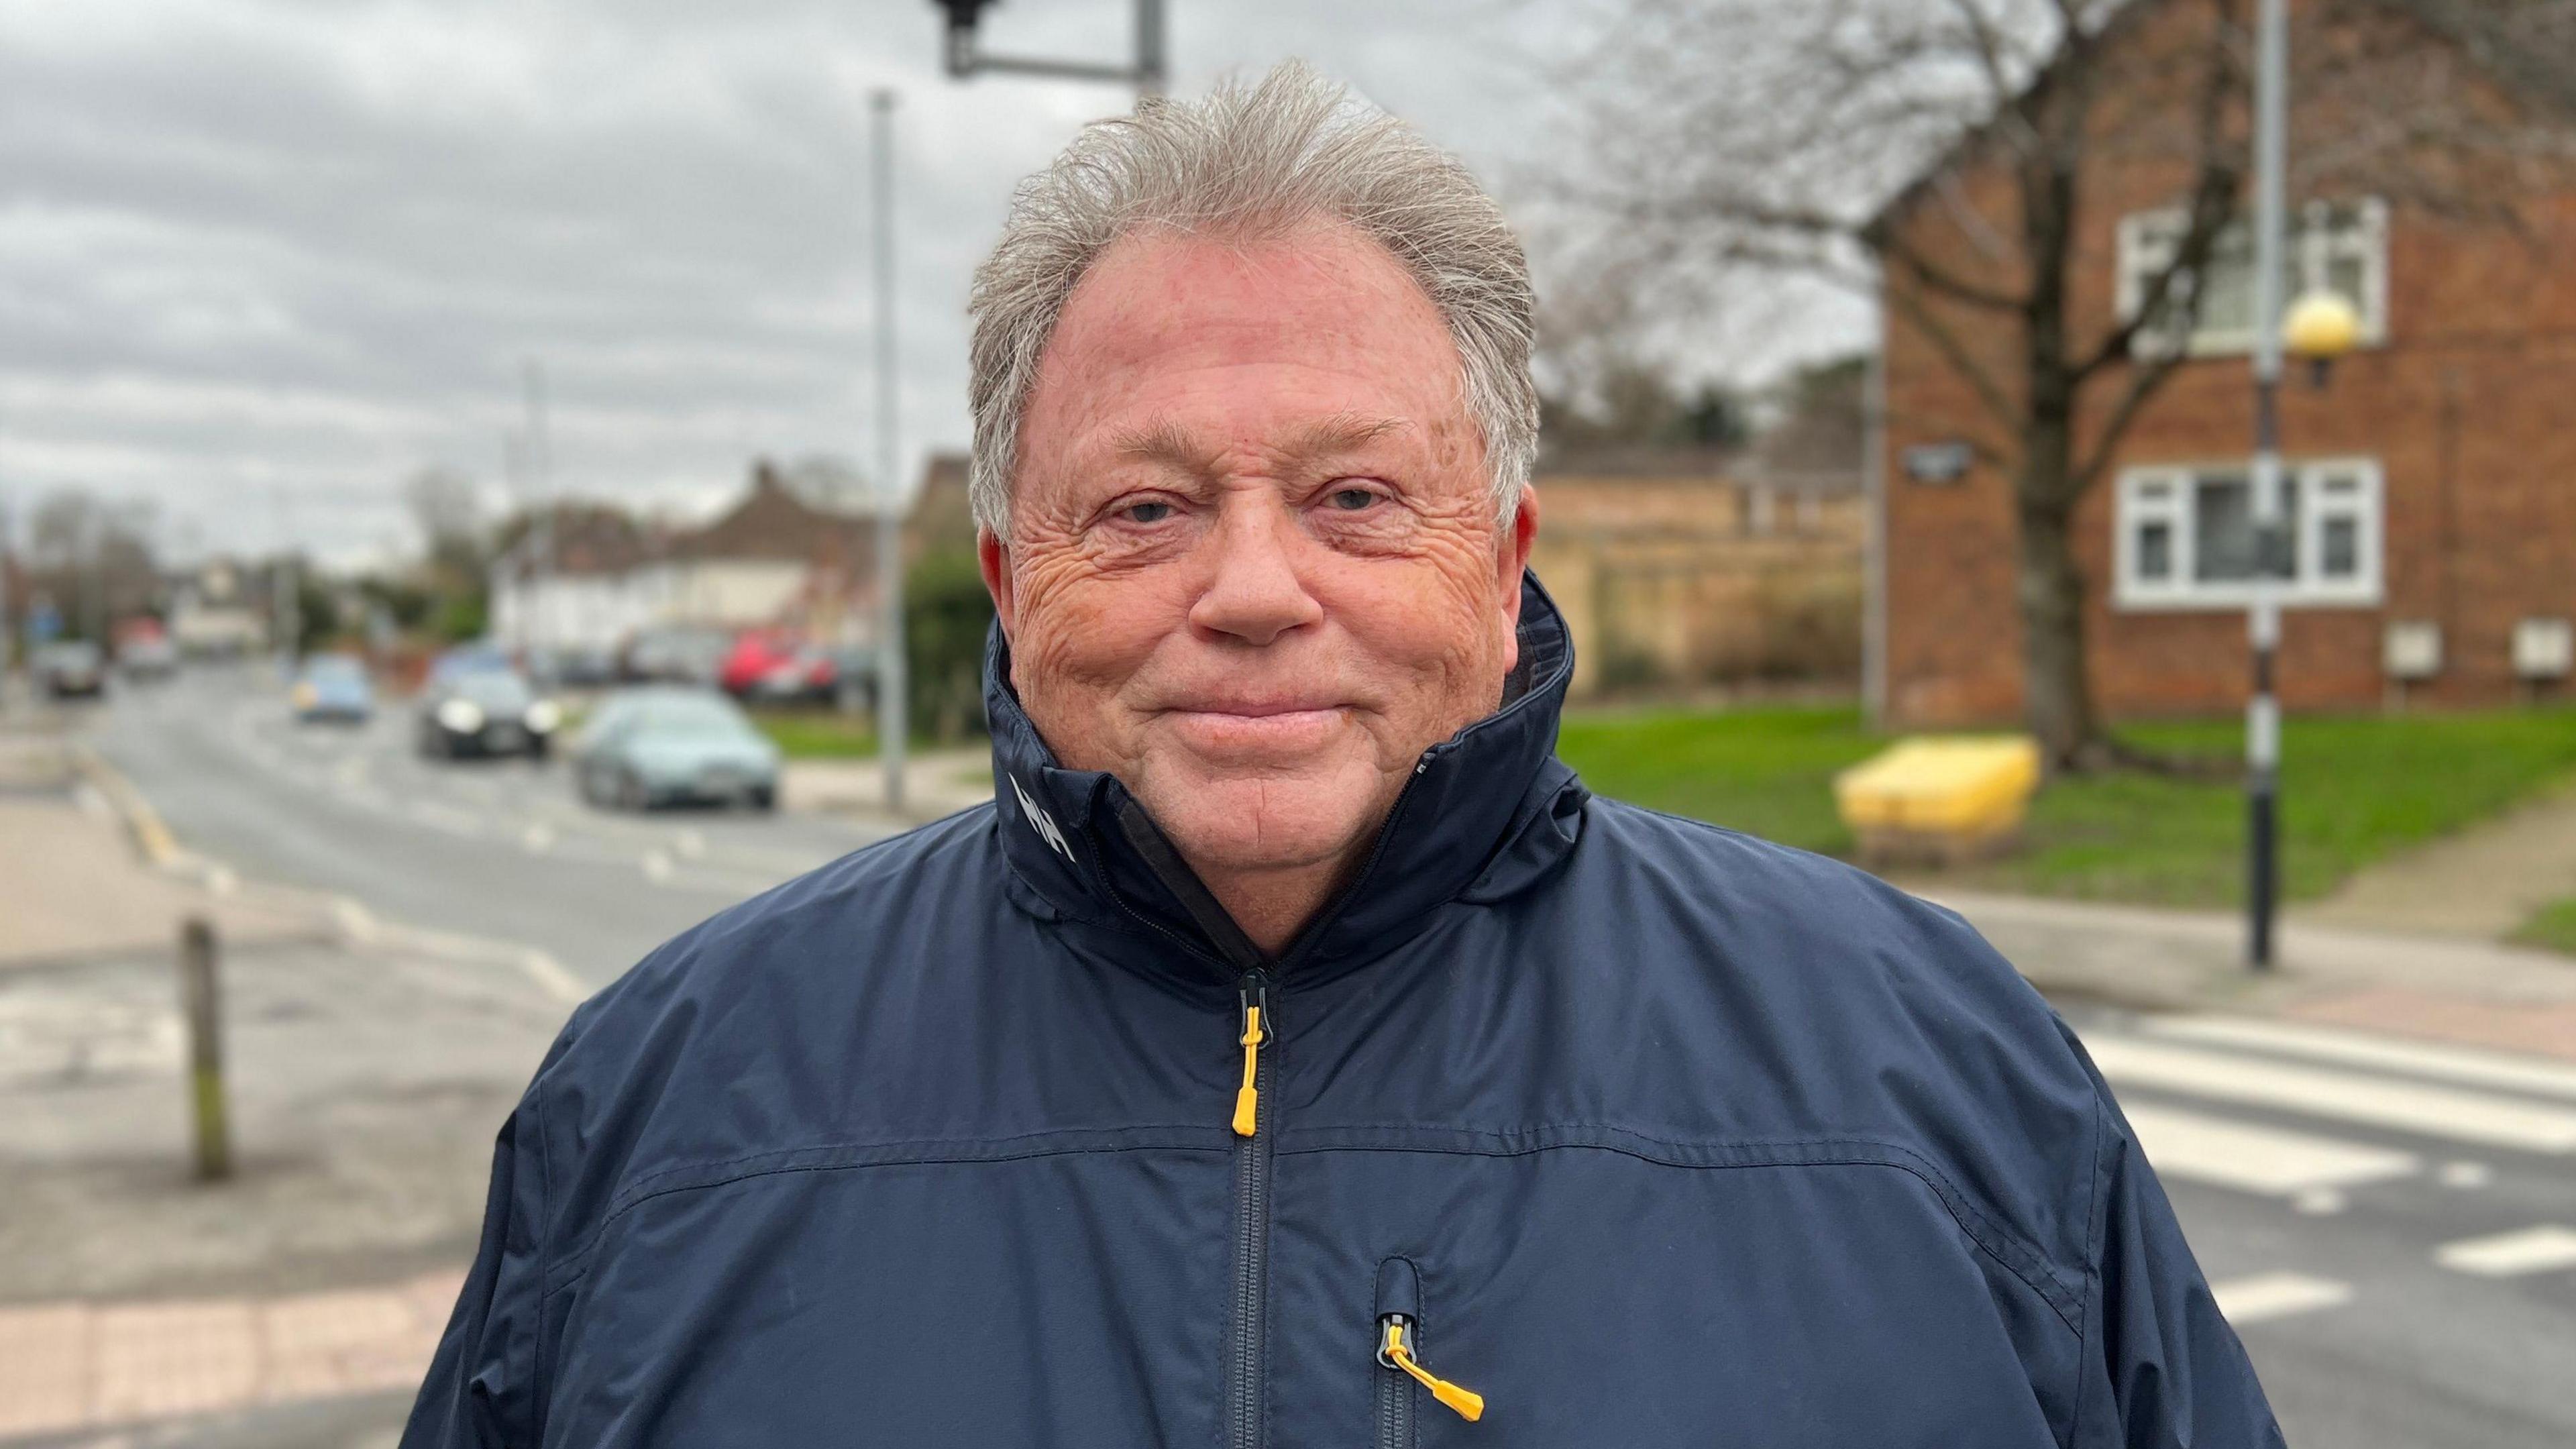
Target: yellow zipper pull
x=1469 y=1404
x=1247 y=1101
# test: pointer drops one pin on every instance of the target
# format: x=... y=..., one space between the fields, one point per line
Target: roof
x=2529 y=46
x=772 y=524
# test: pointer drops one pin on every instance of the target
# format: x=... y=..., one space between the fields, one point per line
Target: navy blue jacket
x=1648 y=1132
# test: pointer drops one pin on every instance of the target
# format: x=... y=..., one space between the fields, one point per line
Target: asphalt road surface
x=501 y=849
x=2391 y=1227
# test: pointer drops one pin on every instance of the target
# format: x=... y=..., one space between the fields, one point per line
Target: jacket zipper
x=1394 y=1409
x=1395 y=1351
x=1251 y=1215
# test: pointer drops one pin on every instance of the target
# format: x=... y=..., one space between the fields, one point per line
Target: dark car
x=485 y=712
x=73 y=669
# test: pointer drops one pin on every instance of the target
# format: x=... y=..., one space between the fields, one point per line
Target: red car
x=771 y=664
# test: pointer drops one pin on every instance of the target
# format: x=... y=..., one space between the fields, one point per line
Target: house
x=588 y=577
x=568 y=581
x=1680 y=567
x=2431 y=478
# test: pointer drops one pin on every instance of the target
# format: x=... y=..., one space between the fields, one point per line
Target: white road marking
x=538 y=838
x=2466 y=1176
x=2317 y=1202
x=221 y=881
x=2361 y=1049
x=657 y=866
x=691 y=845
x=2508 y=1255
x=355 y=920
x=2276 y=1295
x=2265 y=1160
x=2445 y=1112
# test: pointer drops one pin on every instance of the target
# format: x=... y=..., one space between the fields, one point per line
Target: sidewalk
x=367 y=1068
x=2442 y=988
x=2483 y=882
x=936 y=784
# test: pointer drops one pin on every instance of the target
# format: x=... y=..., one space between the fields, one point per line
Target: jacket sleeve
x=2161 y=1367
x=481 y=1392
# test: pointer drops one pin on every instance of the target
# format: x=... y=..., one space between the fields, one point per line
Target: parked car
x=70 y=669
x=485 y=712
x=144 y=650
x=333 y=688
x=663 y=744
x=676 y=653
x=580 y=666
x=776 y=667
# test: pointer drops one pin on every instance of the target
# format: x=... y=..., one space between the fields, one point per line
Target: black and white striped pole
x=2263 y=614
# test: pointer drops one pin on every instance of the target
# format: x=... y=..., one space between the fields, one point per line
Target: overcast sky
x=262 y=259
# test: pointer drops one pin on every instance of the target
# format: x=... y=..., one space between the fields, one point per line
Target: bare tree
x=1936 y=154
x=92 y=558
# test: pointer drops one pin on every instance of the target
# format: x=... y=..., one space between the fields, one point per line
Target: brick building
x=2432 y=477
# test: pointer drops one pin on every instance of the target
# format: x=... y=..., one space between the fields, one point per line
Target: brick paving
x=76 y=1365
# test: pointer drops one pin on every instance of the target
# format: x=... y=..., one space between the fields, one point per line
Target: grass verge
x=2552 y=927
x=2354 y=789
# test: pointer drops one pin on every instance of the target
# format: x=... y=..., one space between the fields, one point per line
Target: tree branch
x=1947 y=343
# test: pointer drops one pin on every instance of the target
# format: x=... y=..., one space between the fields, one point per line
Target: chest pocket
x=1586 y=1296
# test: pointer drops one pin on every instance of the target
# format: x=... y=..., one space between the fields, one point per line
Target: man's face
x=1255 y=569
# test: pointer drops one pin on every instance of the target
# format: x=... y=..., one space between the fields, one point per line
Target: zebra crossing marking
x=2268 y=1161
x=2541 y=1249
x=2263 y=1296
x=2460 y=1065
x=2451 y=1113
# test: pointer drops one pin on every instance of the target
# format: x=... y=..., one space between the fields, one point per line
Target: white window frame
x=2139 y=503
x=2147 y=239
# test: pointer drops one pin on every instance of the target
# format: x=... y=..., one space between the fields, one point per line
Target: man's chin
x=1266 y=823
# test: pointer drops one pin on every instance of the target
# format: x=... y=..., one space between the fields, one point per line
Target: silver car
x=664 y=745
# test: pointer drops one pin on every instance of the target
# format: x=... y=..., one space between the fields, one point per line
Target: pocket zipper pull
x=1396 y=1353
x=1247 y=1101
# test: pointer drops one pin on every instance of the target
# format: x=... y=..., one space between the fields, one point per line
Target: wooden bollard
x=203 y=1004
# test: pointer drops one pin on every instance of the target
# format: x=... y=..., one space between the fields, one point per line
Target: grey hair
x=1252 y=164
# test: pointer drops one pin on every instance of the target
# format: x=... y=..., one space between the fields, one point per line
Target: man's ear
x=1511 y=560
x=993 y=557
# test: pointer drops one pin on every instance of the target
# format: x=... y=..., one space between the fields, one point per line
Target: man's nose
x=1254 y=593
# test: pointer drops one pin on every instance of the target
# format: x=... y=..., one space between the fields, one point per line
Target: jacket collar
x=1487 y=811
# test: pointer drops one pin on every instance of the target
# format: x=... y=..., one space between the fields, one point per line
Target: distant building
x=213 y=612
x=588 y=577
x=2433 y=502
x=1683 y=567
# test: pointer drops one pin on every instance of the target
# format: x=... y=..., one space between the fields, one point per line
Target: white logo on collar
x=1041 y=822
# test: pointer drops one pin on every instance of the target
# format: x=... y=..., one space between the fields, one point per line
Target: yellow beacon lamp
x=2321 y=327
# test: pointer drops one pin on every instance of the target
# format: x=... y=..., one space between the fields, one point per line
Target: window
x=2340 y=247
x=2186 y=536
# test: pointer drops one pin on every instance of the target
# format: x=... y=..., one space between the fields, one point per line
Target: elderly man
x=1295 y=1053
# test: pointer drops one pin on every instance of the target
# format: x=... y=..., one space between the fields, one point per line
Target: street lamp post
x=891 y=722
x=2320 y=327
x=1147 y=75
x=2263 y=614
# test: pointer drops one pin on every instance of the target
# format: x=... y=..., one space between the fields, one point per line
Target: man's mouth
x=1257 y=726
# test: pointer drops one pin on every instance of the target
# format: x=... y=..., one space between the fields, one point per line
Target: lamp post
x=2321 y=327
x=1146 y=75
x=892 y=726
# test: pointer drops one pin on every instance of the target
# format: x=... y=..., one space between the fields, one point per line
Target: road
x=497 y=849
x=2391 y=1227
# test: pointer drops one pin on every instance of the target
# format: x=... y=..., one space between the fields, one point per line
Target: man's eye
x=1351 y=500
x=1147 y=512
